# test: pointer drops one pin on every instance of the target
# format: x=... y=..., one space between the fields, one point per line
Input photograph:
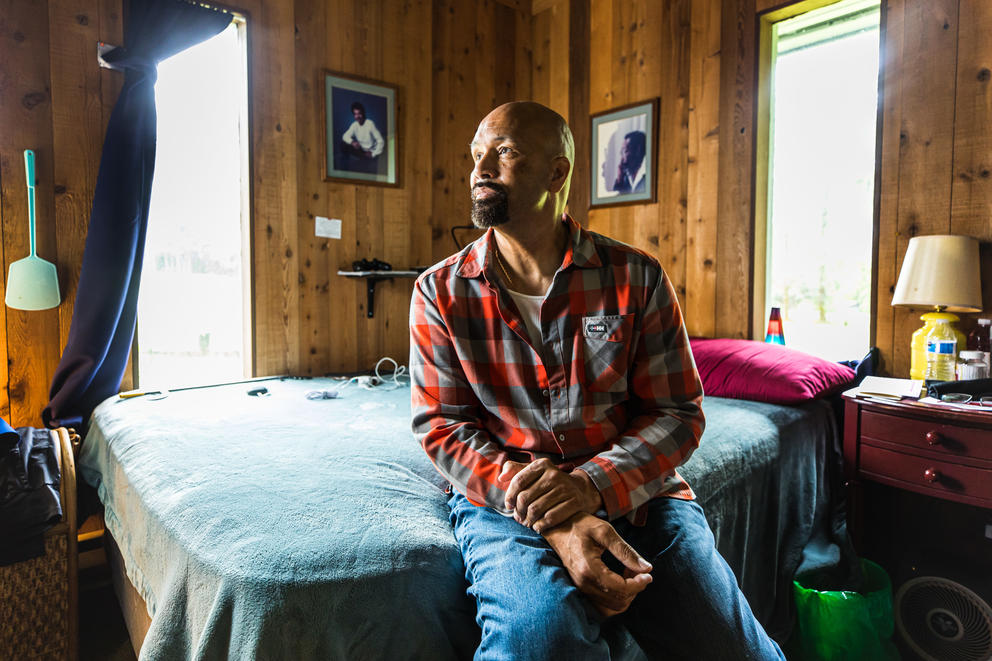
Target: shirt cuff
x=601 y=479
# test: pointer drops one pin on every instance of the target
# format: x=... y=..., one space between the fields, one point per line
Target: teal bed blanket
x=282 y=527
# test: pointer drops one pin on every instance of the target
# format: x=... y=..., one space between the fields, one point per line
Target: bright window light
x=824 y=98
x=193 y=305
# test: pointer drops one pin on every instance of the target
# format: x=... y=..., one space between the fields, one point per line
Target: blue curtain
x=96 y=352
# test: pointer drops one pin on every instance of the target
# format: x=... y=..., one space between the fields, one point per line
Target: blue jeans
x=528 y=607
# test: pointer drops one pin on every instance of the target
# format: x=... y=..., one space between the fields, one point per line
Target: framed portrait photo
x=624 y=153
x=360 y=141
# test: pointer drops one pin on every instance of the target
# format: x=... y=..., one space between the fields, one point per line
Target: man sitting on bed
x=553 y=387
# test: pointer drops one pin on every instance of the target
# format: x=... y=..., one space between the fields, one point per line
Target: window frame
x=762 y=193
x=131 y=378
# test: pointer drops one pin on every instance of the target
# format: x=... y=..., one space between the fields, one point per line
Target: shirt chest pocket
x=606 y=346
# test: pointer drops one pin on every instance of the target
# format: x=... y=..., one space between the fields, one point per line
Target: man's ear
x=560 y=167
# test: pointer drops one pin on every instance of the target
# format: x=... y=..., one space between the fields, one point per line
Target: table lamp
x=939 y=272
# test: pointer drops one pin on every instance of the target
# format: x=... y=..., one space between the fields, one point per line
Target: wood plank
x=602 y=93
x=926 y=139
x=274 y=178
x=674 y=134
x=32 y=337
x=314 y=295
x=523 y=57
x=646 y=65
x=602 y=96
x=406 y=210
x=370 y=35
x=341 y=306
x=735 y=194
x=504 y=68
x=541 y=45
x=622 y=225
x=560 y=84
x=890 y=99
x=703 y=163
x=578 y=108
x=77 y=116
x=442 y=124
x=971 y=190
x=455 y=123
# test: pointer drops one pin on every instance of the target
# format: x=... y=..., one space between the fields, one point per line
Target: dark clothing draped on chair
x=103 y=318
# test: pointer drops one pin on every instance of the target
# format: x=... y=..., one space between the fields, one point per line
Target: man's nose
x=487 y=165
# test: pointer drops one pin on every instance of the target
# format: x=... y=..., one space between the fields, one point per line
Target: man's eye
x=504 y=150
x=476 y=156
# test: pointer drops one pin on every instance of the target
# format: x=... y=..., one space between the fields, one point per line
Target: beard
x=491 y=211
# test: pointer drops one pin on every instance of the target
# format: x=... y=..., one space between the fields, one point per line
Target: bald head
x=544 y=125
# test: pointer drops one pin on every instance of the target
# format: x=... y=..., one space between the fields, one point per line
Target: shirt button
x=561 y=437
x=545 y=393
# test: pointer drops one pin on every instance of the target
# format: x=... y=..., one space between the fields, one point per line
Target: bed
x=277 y=526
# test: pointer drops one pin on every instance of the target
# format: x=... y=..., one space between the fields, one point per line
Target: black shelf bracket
x=372 y=278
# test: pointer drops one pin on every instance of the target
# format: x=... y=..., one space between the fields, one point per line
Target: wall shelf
x=372 y=278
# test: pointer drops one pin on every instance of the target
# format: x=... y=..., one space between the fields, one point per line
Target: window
x=194 y=306
x=821 y=111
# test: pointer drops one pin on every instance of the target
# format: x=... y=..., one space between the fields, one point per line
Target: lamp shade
x=940 y=271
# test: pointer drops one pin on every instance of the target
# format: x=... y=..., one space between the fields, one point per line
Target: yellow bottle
x=918 y=354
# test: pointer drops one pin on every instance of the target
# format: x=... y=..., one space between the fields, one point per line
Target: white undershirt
x=530 y=310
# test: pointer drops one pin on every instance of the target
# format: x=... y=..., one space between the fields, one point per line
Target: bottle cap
x=985 y=322
x=972 y=355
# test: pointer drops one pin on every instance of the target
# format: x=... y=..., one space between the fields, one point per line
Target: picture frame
x=360 y=130
x=624 y=155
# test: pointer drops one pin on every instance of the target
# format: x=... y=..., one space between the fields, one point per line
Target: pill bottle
x=971 y=365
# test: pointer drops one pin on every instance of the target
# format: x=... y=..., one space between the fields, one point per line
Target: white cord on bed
x=399 y=371
x=377 y=382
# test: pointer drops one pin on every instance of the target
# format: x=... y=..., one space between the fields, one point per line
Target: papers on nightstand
x=888 y=388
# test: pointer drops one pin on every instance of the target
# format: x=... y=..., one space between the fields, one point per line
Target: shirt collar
x=580 y=251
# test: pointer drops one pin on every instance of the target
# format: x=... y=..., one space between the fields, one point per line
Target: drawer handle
x=933 y=438
x=931 y=475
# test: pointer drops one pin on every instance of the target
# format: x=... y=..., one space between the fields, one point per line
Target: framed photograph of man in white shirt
x=359 y=130
x=624 y=153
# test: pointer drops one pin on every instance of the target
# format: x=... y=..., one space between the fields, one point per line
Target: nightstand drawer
x=956 y=481
x=955 y=440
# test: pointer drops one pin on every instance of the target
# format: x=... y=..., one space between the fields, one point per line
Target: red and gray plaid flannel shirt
x=612 y=391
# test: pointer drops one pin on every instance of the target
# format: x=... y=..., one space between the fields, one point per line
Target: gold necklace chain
x=499 y=260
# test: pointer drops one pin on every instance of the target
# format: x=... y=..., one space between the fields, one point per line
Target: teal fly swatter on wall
x=32 y=282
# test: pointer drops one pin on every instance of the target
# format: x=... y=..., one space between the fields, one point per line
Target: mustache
x=490 y=185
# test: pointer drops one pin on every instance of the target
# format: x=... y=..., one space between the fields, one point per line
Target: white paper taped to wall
x=329 y=228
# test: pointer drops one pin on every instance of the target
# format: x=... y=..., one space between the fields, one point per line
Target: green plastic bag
x=840 y=624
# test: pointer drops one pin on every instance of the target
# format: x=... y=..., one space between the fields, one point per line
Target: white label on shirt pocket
x=610 y=328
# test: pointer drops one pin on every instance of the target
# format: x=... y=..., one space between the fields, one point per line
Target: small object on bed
x=322 y=394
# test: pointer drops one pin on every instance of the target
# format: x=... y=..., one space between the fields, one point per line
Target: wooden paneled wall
x=699 y=57
x=452 y=61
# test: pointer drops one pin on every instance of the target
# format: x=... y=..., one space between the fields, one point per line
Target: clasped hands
x=560 y=506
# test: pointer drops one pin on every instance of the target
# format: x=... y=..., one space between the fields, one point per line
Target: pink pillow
x=745 y=369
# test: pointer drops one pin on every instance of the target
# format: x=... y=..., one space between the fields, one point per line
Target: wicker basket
x=39 y=616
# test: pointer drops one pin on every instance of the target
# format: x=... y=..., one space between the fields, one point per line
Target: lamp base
x=918 y=343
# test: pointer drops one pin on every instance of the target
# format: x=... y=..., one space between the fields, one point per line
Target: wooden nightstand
x=941 y=452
